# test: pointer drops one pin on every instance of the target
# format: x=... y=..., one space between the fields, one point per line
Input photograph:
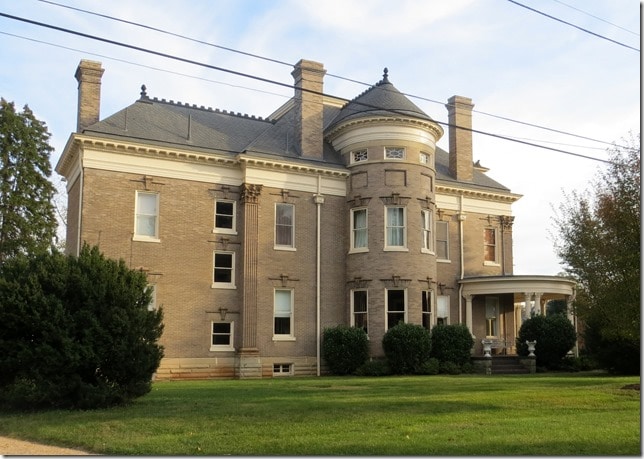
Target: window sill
x=396 y=249
x=222 y=349
x=491 y=263
x=443 y=260
x=284 y=248
x=145 y=239
x=224 y=231
x=427 y=251
x=224 y=286
x=283 y=338
x=360 y=250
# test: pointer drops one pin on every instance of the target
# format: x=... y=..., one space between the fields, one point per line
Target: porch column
x=541 y=309
x=526 y=311
x=468 y=312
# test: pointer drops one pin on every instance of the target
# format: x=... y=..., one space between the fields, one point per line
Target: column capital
x=250 y=192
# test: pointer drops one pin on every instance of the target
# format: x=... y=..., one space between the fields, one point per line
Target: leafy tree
x=599 y=242
x=27 y=220
x=75 y=332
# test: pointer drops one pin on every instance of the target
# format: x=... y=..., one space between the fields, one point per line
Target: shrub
x=376 y=367
x=345 y=349
x=431 y=367
x=407 y=348
x=555 y=336
x=76 y=332
x=452 y=343
x=450 y=368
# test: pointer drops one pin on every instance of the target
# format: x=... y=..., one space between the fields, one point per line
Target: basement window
x=282 y=369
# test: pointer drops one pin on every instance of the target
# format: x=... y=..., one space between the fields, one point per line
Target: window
x=396 y=310
x=223 y=270
x=442 y=240
x=489 y=246
x=359 y=316
x=282 y=369
x=426 y=302
x=146 y=221
x=442 y=312
x=152 y=288
x=426 y=228
x=283 y=314
x=359 y=235
x=491 y=316
x=395 y=221
x=424 y=158
x=222 y=336
x=284 y=225
x=359 y=156
x=394 y=153
x=225 y=216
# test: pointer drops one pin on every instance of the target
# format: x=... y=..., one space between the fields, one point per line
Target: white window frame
x=427 y=235
x=222 y=347
x=395 y=153
x=427 y=296
x=359 y=156
x=494 y=262
x=387 y=290
x=436 y=240
x=354 y=230
x=402 y=247
x=492 y=316
x=221 y=229
x=291 y=315
x=230 y=284
x=137 y=215
x=425 y=158
x=152 y=306
x=443 y=306
x=365 y=312
x=290 y=246
x=282 y=369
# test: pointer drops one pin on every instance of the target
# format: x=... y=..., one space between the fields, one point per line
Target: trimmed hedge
x=407 y=348
x=555 y=336
x=345 y=349
x=452 y=343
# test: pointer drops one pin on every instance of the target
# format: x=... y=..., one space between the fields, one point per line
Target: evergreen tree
x=599 y=241
x=27 y=219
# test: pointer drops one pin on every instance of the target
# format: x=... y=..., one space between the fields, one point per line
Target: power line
x=266 y=80
x=597 y=17
x=257 y=56
x=573 y=25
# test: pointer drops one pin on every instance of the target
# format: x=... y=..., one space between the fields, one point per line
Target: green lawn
x=421 y=415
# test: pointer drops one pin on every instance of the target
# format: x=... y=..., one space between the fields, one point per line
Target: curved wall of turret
x=390 y=263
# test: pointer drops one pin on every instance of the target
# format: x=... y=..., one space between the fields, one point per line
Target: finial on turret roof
x=144 y=94
x=385 y=75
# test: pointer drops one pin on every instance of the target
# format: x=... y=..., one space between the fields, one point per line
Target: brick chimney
x=459 y=111
x=89 y=75
x=308 y=76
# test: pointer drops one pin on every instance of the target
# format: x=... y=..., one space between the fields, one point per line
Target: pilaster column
x=541 y=309
x=468 y=312
x=526 y=311
x=249 y=199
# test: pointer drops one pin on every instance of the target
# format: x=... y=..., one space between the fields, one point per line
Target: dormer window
x=358 y=156
x=394 y=153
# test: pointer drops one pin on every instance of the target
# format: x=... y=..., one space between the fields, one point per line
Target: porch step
x=507 y=365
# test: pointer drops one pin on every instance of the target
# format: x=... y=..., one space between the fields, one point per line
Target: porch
x=496 y=306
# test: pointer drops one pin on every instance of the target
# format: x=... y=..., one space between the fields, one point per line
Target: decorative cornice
x=292 y=167
x=432 y=127
x=478 y=194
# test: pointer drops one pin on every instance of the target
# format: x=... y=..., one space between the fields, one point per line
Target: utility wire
x=597 y=17
x=290 y=86
x=573 y=25
x=144 y=26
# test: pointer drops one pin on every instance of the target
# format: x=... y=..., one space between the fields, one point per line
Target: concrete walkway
x=13 y=447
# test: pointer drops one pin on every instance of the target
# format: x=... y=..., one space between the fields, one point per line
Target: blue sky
x=512 y=62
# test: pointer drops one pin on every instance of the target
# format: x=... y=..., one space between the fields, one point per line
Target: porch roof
x=549 y=287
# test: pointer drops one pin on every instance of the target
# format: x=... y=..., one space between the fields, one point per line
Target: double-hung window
x=224 y=216
x=152 y=305
x=359 y=232
x=395 y=230
x=442 y=240
x=426 y=303
x=490 y=246
x=426 y=230
x=283 y=314
x=146 y=220
x=359 y=316
x=284 y=226
x=221 y=337
x=491 y=316
x=442 y=310
x=396 y=307
x=223 y=270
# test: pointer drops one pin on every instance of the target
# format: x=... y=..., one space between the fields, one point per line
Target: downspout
x=319 y=200
x=461 y=219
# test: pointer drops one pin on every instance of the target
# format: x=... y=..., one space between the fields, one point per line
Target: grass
x=421 y=415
